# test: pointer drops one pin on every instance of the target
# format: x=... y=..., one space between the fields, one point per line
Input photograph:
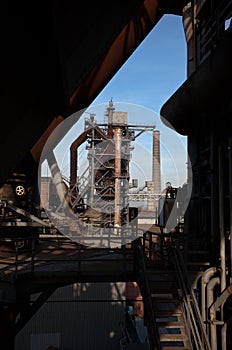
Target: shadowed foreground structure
x=55 y=59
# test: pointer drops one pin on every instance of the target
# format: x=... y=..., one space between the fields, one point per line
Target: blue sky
x=143 y=84
x=149 y=77
x=155 y=69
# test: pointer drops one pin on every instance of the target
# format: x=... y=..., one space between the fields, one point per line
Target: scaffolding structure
x=100 y=193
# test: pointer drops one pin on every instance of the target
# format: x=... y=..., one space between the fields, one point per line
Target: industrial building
x=55 y=60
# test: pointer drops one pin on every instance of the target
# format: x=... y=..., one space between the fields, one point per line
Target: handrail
x=143 y=282
x=197 y=332
x=16 y=259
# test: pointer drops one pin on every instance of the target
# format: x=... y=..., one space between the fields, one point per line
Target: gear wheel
x=20 y=190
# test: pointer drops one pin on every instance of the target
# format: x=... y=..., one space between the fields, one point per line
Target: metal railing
x=140 y=268
x=190 y=309
x=19 y=254
x=55 y=250
x=30 y=260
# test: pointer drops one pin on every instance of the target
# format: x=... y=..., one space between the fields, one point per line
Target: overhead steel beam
x=57 y=56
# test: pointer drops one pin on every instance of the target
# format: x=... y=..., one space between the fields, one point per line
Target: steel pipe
x=221 y=218
x=210 y=299
x=214 y=207
x=204 y=281
x=210 y=288
x=230 y=200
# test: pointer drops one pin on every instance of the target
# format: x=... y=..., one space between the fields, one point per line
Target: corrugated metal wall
x=81 y=316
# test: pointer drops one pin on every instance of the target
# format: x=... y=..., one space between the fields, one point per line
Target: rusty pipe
x=213 y=327
x=204 y=281
x=210 y=296
x=117 y=198
x=210 y=288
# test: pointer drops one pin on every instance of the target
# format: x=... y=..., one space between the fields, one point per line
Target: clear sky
x=143 y=84
x=154 y=71
x=149 y=77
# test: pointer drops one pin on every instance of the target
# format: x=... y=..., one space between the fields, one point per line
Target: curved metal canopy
x=56 y=56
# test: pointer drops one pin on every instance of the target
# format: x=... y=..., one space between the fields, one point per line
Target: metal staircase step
x=165 y=300
x=166 y=304
x=163 y=295
x=170 y=324
x=166 y=307
x=167 y=313
x=173 y=337
x=175 y=348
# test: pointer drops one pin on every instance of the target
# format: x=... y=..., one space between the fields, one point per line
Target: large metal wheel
x=20 y=190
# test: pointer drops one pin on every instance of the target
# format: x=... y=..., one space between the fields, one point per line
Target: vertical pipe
x=73 y=166
x=210 y=296
x=91 y=170
x=117 y=199
x=204 y=280
x=214 y=195
x=230 y=200
x=221 y=219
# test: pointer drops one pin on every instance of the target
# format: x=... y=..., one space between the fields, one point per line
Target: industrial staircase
x=166 y=302
x=175 y=312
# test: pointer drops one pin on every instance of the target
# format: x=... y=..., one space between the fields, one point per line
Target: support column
x=221 y=218
x=230 y=200
x=214 y=196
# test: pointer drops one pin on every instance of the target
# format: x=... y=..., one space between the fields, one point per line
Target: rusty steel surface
x=117 y=198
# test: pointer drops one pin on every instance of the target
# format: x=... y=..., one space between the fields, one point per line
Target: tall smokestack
x=156 y=178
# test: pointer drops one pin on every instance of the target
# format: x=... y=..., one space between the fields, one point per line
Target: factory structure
x=103 y=194
x=109 y=151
